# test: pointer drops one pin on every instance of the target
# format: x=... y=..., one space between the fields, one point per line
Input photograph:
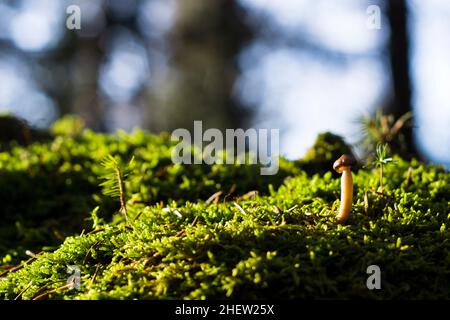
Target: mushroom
x=342 y=165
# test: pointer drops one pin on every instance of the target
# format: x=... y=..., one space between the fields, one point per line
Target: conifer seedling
x=381 y=159
x=113 y=184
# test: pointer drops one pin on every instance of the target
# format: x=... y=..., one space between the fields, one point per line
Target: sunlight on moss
x=282 y=242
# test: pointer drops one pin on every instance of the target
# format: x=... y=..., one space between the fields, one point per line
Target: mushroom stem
x=342 y=165
x=346 y=195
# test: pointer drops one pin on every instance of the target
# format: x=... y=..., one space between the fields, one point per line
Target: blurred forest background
x=304 y=66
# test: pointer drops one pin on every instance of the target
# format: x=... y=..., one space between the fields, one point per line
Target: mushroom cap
x=344 y=161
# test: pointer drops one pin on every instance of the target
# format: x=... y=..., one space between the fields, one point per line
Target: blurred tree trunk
x=397 y=15
x=204 y=43
x=74 y=83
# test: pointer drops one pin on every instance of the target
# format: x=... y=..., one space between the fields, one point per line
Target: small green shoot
x=113 y=185
x=381 y=159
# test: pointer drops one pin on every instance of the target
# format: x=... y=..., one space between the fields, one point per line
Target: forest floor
x=214 y=231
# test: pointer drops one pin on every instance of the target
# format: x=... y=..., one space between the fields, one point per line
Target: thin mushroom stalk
x=343 y=165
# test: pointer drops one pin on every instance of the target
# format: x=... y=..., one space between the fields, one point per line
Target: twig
x=44 y=287
x=20 y=266
x=66 y=286
x=95 y=231
x=214 y=197
x=138 y=215
x=24 y=290
x=250 y=194
x=232 y=190
x=195 y=221
x=95 y=274
x=180 y=233
x=240 y=208
x=290 y=209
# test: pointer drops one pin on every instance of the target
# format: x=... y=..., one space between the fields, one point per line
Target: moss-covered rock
x=282 y=242
x=326 y=149
x=48 y=189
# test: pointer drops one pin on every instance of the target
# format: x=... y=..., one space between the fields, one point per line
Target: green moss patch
x=280 y=242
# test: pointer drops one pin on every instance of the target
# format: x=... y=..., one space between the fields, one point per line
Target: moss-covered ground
x=213 y=232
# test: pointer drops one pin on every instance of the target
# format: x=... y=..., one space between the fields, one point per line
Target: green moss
x=49 y=188
x=69 y=125
x=282 y=243
x=327 y=148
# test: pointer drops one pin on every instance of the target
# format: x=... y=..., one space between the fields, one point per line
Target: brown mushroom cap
x=344 y=161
